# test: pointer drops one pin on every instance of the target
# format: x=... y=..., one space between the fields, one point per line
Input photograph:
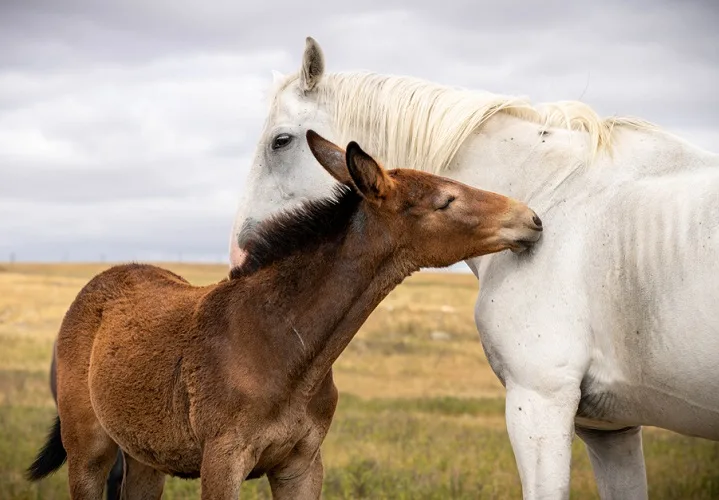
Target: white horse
x=612 y=321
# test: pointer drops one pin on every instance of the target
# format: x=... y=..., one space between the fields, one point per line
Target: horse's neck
x=515 y=157
x=324 y=298
x=542 y=167
x=547 y=171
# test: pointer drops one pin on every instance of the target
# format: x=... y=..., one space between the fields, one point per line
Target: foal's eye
x=281 y=141
x=446 y=203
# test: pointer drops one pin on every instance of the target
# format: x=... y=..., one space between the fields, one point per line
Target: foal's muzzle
x=528 y=233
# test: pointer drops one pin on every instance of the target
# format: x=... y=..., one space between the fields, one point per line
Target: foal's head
x=434 y=220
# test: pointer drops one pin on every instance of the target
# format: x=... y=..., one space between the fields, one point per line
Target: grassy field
x=421 y=415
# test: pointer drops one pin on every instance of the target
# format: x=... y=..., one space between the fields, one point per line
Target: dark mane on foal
x=301 y=229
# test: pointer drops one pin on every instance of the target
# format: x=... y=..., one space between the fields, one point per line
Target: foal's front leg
x=225 y=464
x=141 y=482
x=297 y=480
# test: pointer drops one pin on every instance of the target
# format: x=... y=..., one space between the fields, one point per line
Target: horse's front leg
x=540 y=423
x=618 y=462
x=225 y=465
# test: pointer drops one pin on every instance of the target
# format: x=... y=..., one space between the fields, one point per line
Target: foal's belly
x=140 y=400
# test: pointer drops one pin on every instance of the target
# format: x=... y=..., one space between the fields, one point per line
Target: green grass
x=417 y=418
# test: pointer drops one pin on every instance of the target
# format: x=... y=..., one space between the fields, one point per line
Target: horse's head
x=423 y=219
x=284 y=172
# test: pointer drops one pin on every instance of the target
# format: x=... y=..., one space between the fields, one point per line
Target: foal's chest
x=292 y=433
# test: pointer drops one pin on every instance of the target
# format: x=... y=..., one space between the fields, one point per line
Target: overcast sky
x=127 y=126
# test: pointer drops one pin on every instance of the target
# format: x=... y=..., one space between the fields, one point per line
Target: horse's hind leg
x=141 y=482
x=617 y=461
x=90 y=450
x=90 y=455
x=114 y=481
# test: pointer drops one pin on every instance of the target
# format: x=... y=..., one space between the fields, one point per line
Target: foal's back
x=126 y=287
x=125 y=281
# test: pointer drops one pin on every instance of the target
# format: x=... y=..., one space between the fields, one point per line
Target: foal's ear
x=313 y=65
x=369 y=177
x=330 y=156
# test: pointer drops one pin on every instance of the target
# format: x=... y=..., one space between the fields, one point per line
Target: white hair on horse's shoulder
x=408 y=122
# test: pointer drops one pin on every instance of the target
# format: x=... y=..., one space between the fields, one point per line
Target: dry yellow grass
x=420 y=414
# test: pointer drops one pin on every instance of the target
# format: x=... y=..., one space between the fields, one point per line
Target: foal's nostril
x=537 y=221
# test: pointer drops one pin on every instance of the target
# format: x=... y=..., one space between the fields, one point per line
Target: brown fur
x=114 y=480
x=234 y=380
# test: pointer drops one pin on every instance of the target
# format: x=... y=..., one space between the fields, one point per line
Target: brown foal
x=232 y=381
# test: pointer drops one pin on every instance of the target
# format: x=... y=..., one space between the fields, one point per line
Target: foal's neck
x=321 y=299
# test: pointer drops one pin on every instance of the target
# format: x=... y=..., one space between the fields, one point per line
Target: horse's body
x=653 y=320
x=232 y=381
x=611 y=322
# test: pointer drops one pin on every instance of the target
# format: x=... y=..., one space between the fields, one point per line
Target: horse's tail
x=53 y=454
x=50 y=458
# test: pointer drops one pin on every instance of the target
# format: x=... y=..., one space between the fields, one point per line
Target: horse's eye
x=447 y=202
x=281 y=141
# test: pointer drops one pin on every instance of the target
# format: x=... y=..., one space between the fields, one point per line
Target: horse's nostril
x=246 y=230
x=537 y=221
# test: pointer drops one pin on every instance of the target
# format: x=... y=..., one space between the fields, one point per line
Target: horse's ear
x=369 y=177
x=277 y=78
x=330 y=156
x=313 y=65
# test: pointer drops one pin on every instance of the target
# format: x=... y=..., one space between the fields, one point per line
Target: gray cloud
x=127 y=127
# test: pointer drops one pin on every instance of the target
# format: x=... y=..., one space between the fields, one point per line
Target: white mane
x=411 y=123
